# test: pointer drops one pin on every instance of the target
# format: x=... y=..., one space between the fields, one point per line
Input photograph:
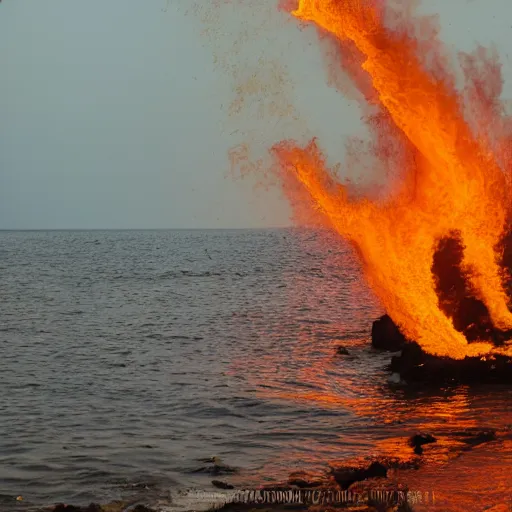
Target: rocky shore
x=369 y=485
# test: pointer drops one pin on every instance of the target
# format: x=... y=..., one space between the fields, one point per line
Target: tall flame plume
x=456 y=180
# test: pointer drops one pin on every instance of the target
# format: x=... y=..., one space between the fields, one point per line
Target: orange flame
x=456 y=182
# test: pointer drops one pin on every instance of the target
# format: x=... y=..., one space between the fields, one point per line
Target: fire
x=457 y=178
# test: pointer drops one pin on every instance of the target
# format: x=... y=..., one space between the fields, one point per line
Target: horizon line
x=151 y=229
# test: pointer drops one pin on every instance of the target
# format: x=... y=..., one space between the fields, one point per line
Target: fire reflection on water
x=348 y=409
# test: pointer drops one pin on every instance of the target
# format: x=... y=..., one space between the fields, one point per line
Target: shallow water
x=127 y=356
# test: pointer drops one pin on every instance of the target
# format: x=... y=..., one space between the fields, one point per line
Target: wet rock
x=386 y=335
x=142 y=508
x=419 y=440
x=93 y=507
x=376 y=470
x=418 y=450
x=342 y=351
x=414 y=365
x=345 y=477
x=222 y=485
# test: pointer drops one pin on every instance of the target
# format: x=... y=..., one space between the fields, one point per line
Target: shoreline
x=373 y=485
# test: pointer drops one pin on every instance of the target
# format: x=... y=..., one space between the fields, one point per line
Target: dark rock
x=342 y=351
x=386 y=335
x=414 y=365
x=376 y=470
x=93 y=507
x=345 y=477
x=142 y=508
x=222 y=485
x=417 y=441
x=421 y=439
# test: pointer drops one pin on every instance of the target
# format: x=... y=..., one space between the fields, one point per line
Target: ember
x=437 y=252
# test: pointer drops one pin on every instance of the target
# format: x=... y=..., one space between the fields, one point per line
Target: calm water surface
x=128 y=356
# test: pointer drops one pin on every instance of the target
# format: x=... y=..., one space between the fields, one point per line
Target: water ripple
x=127 y=356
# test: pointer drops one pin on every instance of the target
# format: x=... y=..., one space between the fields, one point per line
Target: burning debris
x=457 y=298
x=470 y=317
x=438 y=250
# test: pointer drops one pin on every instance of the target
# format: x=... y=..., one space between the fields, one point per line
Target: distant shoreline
x=266 y=228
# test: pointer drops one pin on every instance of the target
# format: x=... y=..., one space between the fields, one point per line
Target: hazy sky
x=115 y=113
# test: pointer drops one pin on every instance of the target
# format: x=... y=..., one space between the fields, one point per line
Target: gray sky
x=115 y=114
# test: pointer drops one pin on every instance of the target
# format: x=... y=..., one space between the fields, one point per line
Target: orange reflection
x=339 y=408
